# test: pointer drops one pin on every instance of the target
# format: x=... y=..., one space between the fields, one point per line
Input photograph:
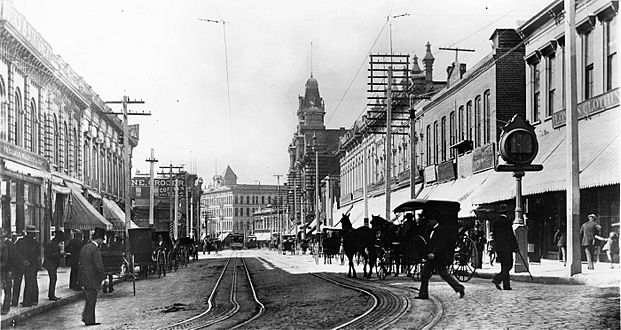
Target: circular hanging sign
x=519 y=146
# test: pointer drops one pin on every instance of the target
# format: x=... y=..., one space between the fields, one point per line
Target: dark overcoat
x=91 y=266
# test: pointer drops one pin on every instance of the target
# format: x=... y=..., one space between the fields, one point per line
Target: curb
x=39 y=309
x=536 y=279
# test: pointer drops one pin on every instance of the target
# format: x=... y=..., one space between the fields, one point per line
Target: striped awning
x=83 y=215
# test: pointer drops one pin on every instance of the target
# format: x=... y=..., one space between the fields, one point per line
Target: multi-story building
x=598 y=122
x=313 y=147
x=228 y=207
x=60 y=156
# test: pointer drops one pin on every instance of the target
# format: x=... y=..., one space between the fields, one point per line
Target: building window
x=443 y=137
x=428 y=135
x=611 y=54
x=587 y=51
x=551 y=72
x=19 y=119
x=461 y=124
x=75 y=153
x=453 y=133
x=536 y=92
x=486 y=118
x=436 y=142
x=469 y=120
x=56 y=137
x=66 y=147
x=32 y=134
x=477 y=121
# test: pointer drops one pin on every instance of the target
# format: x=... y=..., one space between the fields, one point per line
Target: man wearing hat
x=52 y=254
x=588 y=231
x=505 y=245
x=73 y=257
x=28 y=247
x=91 y=274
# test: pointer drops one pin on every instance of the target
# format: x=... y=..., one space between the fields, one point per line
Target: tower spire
x=311 y=58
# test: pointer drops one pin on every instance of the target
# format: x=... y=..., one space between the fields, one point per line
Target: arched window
x=453 y=132
x=461 y=135
x=86 y=165
x=66 y=166
x=32 y=127
x=436 y=142
x=56 y=140
x=443 y=138
x=469 y=120
x=19 y=119
x=75 y=147
x=3 y=110
x=486 y=118
x=428 y=144
x=477 y=121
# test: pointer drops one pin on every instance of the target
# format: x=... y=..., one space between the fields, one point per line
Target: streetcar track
x=215 y=314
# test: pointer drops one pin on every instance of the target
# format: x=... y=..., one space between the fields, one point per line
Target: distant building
x=228 y=207
x=311 y=136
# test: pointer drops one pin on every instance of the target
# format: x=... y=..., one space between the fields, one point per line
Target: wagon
x=331 y=244
x=446 y=212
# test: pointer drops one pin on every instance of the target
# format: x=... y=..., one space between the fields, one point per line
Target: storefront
x=23 y=177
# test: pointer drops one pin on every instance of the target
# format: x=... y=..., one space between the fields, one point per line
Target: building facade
x=598 y=122
x=60 y=155
x=312 y=157
x=228 y=207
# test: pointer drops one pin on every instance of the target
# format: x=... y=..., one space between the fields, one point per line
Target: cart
x=331 y=244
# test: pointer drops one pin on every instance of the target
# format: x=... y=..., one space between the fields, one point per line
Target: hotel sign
x=589 y=107
x=21 y=156
x=483 y=158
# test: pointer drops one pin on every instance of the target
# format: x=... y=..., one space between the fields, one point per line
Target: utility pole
x=457 y=50
x=278 y=208
x=126 y=159
x=171 y=190
x=388 y=176
x=151 y=161
x=573 y=164
x=317 y=196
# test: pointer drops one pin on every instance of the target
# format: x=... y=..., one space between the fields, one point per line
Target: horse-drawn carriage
x=331 y=244
x=288 y=244
x=406 y=245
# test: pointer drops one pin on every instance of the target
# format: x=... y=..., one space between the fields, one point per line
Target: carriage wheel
x=416 y=270
x=464 y=258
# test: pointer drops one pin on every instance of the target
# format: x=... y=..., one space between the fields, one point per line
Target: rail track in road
x=228 y=304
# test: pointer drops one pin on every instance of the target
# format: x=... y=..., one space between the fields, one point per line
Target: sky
x=226 y=92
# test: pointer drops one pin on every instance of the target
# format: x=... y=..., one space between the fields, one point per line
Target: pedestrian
x=73 y=257
x=51 y=261
x=441 y=247
x=5 y=273
x=91 y=274
x=588 y=231
x=505 y=244
x=29 y=248
x=478 y=236
x=560 y=237
x=611 y=247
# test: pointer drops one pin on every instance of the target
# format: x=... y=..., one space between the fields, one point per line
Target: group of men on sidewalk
x=20 y=260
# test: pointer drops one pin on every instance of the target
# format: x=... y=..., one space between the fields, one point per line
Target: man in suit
x=91 y=274
x=73 y=257
x=52 y=262
x=29 y=249
x=588 y=231
x=441 y=246
x=505 y=244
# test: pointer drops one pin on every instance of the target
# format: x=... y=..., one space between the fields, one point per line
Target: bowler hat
x=99 y=233
x=592 y=216
x=31 y=229
x=59 y=234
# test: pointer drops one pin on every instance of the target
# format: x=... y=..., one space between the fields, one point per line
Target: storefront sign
x=21 y=156
x=430 y=173
x=589 y=107
x=446 y=171
x=483 y=158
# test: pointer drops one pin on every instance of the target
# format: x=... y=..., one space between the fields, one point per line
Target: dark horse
x=405 y=241
x=358 y=240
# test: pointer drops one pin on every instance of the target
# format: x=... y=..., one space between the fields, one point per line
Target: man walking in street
x=14 y=261
x=28 y=247
x=91 y=274
x=73 y=257
x=441 y=246
x=51 y=262
x=588 y=231
x=505 y=245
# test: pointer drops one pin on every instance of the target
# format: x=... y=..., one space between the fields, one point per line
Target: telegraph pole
x=573 y=164
x=278 y=208
x=388 y=176
x=171 y=190
x=151 y=161
x=126 y=158
x=457 y=50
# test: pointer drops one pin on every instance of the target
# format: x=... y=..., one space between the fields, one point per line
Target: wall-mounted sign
x=483 y=158
x=446 y=171
x=589 y=107
x=21 y=156
x=430 y=173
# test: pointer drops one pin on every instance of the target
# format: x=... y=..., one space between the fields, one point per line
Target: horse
x=405 y=241
x=358 y=240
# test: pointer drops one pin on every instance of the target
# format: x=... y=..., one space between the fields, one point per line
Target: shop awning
x=460 y=190
x=262 y=236
x=94 y=194
x=599 y=150
x=61 y=189
x=83 y=215
x=223 y=236
x=116 y=216
x=74 y=187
